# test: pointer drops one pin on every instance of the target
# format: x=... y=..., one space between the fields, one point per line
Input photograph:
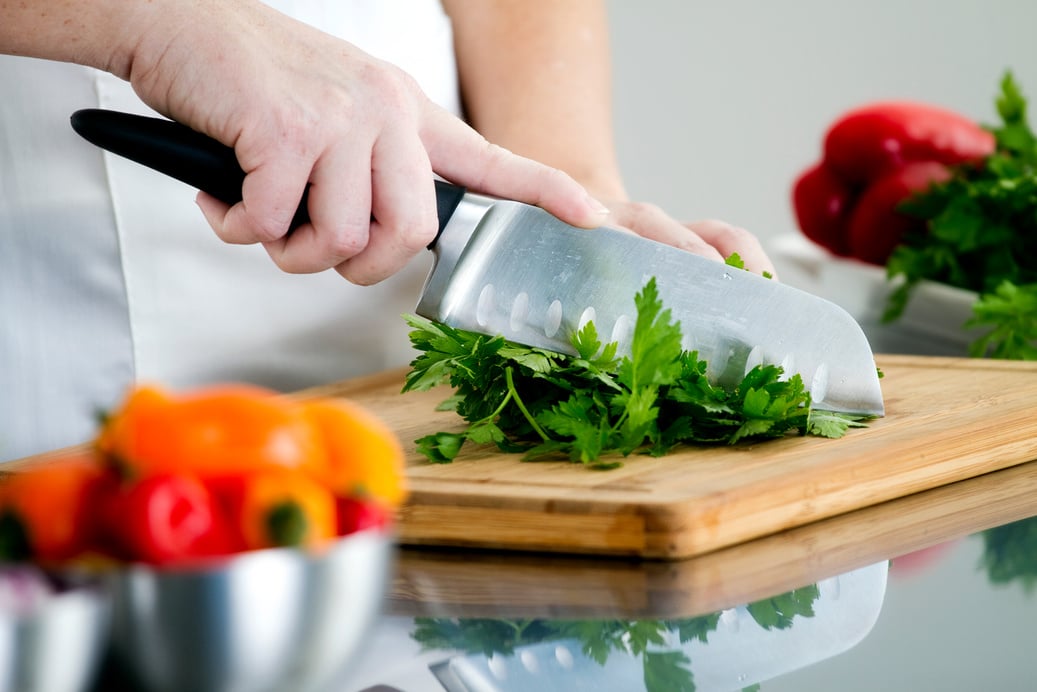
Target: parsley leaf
x=1011 y=311
x=779 y=612
x=981 y=235
x=596 y=409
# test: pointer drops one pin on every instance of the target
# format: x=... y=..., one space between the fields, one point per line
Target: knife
x=506 y=268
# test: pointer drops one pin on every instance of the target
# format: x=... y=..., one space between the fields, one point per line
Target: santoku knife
x=508 y=268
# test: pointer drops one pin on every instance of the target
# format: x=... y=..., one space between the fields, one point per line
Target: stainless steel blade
x=512 y=269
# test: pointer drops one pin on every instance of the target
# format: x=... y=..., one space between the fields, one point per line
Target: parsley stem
x=522 y=407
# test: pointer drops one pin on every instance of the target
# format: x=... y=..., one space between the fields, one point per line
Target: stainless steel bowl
x=56 y=645
x=264 y=621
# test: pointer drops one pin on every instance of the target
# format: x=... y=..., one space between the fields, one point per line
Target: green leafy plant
x=1010 y=554
x=595 y=406
x=981 y=235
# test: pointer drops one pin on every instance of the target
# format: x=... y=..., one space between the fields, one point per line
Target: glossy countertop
x=931 y=591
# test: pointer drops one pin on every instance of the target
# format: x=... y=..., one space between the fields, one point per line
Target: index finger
x=463 y=156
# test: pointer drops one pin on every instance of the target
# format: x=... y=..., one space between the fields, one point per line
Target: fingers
x=462 y=156
x=371 y=208
x=652 y=222
x=339 y=207
x=728 y=239
x=403 y=207
x=270 y=195
x=712 y=239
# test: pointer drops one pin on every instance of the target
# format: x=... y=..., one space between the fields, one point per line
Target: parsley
x=780 y=611
x=595 y=407
x=1010 y=554
x=661 y=645
x=981 y=235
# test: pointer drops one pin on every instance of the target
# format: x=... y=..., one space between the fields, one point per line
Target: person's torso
x=109 y=273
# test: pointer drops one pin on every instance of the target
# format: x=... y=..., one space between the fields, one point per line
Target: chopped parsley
x=596 y=407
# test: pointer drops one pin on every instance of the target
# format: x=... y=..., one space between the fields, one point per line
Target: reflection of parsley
x=1010 y=554
x=981 y=235
x=595 y=403
x=663 y=669
x=778 y=612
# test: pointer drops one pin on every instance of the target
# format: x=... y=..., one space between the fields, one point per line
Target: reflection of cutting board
x=947 y=419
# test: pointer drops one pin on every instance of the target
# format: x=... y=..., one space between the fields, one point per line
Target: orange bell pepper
x=45 y=511
x=272 y=508
x=364 y=457
x=212 y=431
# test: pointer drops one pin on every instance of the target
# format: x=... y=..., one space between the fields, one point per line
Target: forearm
x=96 y=33
x=536 y=79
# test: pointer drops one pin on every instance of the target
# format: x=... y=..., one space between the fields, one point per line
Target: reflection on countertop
x=730 y=649
x=952 y=598
x=733 y=648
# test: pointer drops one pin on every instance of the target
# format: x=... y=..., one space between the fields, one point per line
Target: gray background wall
x=719 y=105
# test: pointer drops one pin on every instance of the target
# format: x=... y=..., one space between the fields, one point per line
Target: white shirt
x=110 y=275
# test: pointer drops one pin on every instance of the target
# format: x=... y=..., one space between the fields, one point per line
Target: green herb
x=1010 y=554
x=666 y=667
x=1011 y=312
x=981 y=235
x=779 y=612
x=594 y=406
x=735 y=260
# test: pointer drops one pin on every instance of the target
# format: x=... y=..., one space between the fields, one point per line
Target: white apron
x=109 y=273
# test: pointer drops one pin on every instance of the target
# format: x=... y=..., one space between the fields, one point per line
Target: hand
x=302 y=107
x=710 y=238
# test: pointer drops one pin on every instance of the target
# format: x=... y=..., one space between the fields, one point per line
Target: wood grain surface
x=947 y=419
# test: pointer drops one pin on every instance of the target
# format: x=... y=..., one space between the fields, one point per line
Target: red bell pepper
x=164 y=519
x=355 y=514
x=874 y=158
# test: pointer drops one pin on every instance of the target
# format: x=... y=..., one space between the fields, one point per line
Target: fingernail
x=596 y=207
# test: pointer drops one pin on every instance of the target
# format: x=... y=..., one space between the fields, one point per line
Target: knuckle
x=264 y=228
x=556 y=178
x=394 y=88
x=346 y=242
x=729 y=232
x=692 y=243
x=493 y=157
x=355 y=277
x=417 y=234
x=644 y=213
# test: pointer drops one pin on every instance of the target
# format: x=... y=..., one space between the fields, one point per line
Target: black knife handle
x=196 y=159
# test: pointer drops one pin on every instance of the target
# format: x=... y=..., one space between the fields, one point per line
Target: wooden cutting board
x=947 y=419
